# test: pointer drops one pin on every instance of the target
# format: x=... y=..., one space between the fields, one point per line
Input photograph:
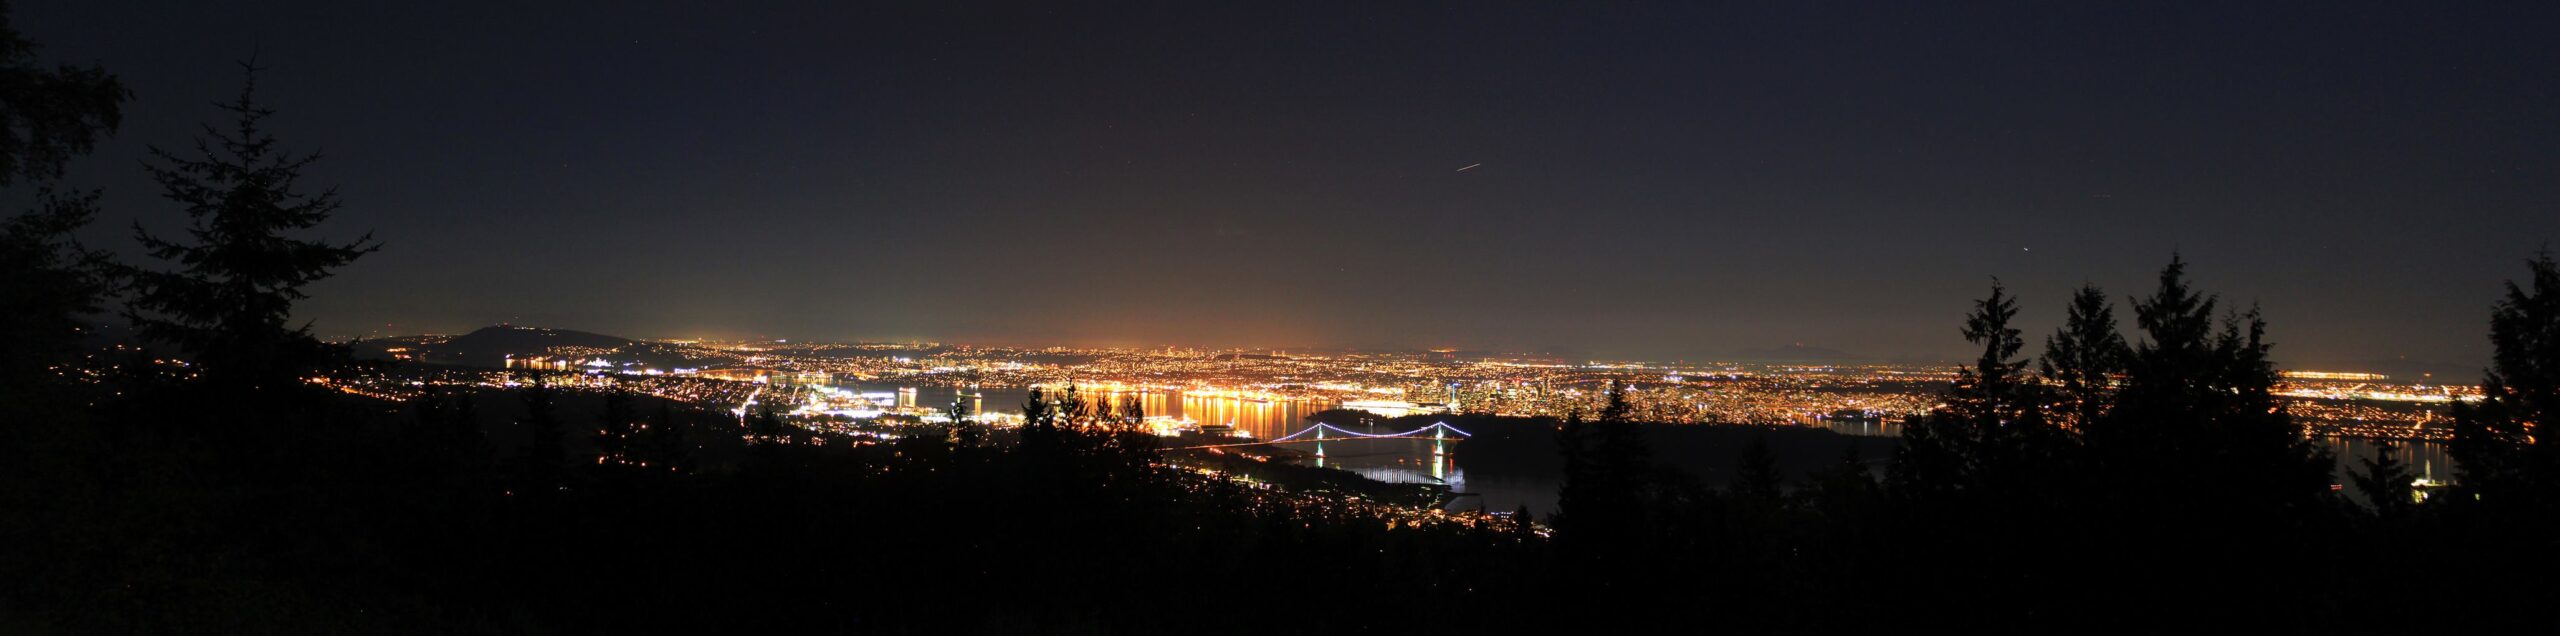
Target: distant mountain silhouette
x=498 y=341
x=490 y=346
x=1794 y=352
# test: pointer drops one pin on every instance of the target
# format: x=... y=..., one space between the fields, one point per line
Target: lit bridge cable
x=1317 y=433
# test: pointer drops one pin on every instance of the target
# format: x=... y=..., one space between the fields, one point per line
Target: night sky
x=1681 y=180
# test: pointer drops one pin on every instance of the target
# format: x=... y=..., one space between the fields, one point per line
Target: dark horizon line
x=1574 y=357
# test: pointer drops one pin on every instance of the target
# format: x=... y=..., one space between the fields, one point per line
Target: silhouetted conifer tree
x=2196 y=465
x=1991 y=428
x=466 y=417
x=1039 y=417
x=2507 y=463
x=1601 y=508
x=1756 y=481
x=2083 y=358
x=1573 y=441
x=1846 y=491
x=48 y=282
x=447 y=446
x=1994 y=390
x=766 y=426
x=1133 y=411
x=2197 y=415
x=2386 y=482
x=49 y=115
x=546 y=454
x=237 y=276
x=665 y=445
x=615 y=428
x=2504 y=506
x=1071 y=410
x=447 y=419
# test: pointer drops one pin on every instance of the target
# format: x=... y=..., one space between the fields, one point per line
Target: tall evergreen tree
x=2202 y=398
x=1037 y=412
x=2197 y=408
x=1756 y=482
x=1134 y=411
x=1845 y=492
x=48 y=282
x=1601 y=508
x=664 y=442
x=546 y=454
x=237 y=275
x=1106 y=414
x=447 y=446
x=1573 y=441
x=2197 y=465
x=765 y=425
x=466 y=418
x=2385 y=482
x=2083 y=358
x=1071 y=410
x=1992 y=392
x=50 y=115
x=2505 y=503
x=2506 y=462
x=616 y=428
x=1990 y=430
x=447 y=420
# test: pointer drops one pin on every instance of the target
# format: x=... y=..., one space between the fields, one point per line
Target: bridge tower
x=1439 y=451
x=1319 y=444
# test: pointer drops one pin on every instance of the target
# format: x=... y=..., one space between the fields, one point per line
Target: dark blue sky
x=1658 y=180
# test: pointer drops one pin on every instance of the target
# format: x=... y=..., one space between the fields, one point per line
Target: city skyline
x=1799 y=354
x=1646 y=181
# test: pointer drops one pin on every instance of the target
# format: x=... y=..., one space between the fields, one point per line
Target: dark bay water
x=1518 y=478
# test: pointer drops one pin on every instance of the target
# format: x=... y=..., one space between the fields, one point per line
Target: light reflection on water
x=1394 y=461
x=1411 y=461
x=1264 y=419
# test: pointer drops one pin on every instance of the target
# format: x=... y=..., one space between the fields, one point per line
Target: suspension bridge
x=1323 y=432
